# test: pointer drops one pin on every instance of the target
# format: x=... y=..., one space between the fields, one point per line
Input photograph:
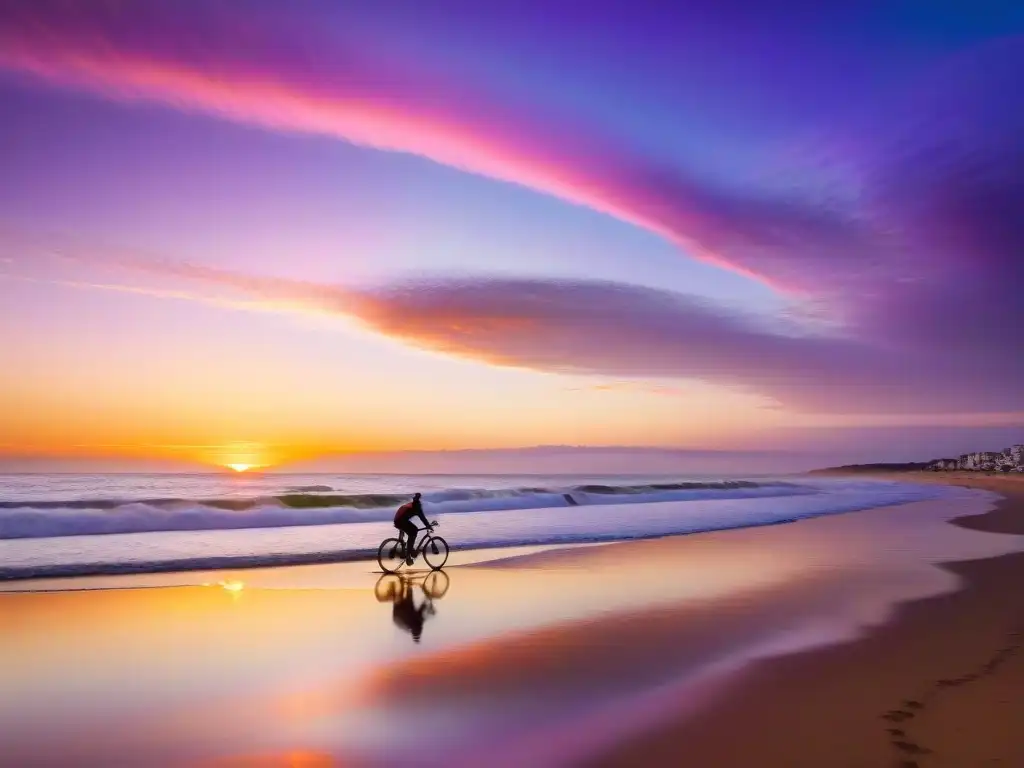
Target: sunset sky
x=276 y=232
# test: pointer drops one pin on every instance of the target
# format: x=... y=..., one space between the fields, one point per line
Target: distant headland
x=1009 y=460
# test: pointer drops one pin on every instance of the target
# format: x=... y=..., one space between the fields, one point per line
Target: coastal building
x=1008 y=460
x=1016 y=455
x=969 y=461
x=981 y=460
x=991 y=460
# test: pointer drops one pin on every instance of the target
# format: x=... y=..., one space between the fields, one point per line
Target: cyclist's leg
x=410 y=529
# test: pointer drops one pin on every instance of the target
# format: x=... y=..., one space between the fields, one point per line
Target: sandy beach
x=488 y=384
x=839 y=640
x=938 y=686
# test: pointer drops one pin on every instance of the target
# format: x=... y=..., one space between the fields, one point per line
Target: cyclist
x=404 y=523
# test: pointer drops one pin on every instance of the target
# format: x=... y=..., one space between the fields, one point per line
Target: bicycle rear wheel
x=389 y=588
x=435 y=552
x=391 y=555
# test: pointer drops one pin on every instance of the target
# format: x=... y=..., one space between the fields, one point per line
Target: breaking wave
x=319 y=505
x=194 y=543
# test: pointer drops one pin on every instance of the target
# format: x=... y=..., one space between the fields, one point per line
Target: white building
x=981 y=460
x=1016 y=455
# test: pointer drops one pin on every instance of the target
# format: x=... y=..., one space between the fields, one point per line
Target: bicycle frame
x=422 y=540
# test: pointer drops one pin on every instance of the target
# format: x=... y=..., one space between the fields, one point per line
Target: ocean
x=79 y=524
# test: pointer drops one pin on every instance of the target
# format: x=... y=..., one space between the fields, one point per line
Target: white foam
x=277 y=535
x=140 y=517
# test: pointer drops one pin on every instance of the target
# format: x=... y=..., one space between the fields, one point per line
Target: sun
x=240 y=467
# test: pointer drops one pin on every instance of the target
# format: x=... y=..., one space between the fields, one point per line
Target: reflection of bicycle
x=391 y=555
x=393 y=587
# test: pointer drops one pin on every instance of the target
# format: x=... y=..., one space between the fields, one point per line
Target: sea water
x=66 y=524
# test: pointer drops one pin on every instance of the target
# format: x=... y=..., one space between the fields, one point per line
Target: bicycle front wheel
x=391 y=555
x=435 y=584
x=435 y=552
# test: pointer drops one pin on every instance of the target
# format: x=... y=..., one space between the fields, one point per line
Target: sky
x=294 y=233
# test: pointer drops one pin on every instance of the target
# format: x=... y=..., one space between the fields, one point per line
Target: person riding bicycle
x=404 y=523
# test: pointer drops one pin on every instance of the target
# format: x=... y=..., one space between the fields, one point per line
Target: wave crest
x=43 y=519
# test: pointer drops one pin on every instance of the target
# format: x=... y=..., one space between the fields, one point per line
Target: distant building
x=991 y=460
x=1008 y=460
x=980 y=460
x=968 y=461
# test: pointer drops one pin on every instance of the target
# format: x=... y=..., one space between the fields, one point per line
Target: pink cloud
x=274 y=71
x=925 y=273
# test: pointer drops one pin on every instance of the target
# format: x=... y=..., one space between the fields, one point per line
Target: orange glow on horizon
x=48 y=424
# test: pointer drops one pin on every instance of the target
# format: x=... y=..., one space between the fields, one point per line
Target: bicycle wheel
x=435 y=584
x=435 y=552
x=391 y=555
x=389 y=588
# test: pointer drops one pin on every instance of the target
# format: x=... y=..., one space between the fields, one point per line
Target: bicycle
x=391 y=587
x=391 y=554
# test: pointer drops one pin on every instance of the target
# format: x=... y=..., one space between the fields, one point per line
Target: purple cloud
x=919 y=263
x=607 y=329
x=622 y=330
x=282 y=71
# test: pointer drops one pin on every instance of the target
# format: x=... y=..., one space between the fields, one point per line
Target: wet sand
x=622 y=654
x=942 y=685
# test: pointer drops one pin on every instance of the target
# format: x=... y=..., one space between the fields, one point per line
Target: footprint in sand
x=911 y=707
x=898 y=715
x=911 y=748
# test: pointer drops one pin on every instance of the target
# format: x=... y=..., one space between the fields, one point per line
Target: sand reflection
x=531 y=661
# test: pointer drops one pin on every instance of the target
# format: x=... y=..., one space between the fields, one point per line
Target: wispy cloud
x=935 y=222
x=920 y=271
x=606 y=329
x=278 y=71
x=632 y=387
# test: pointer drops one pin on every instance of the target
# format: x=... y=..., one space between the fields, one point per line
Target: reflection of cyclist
x=398 y=590
x=404 y=523
x=407 y=616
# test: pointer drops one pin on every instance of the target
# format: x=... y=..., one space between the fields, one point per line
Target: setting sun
x=240 y=467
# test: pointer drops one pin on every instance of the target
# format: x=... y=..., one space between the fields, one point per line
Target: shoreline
x=935 y=685
x=271 y=560
x=583 y=655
